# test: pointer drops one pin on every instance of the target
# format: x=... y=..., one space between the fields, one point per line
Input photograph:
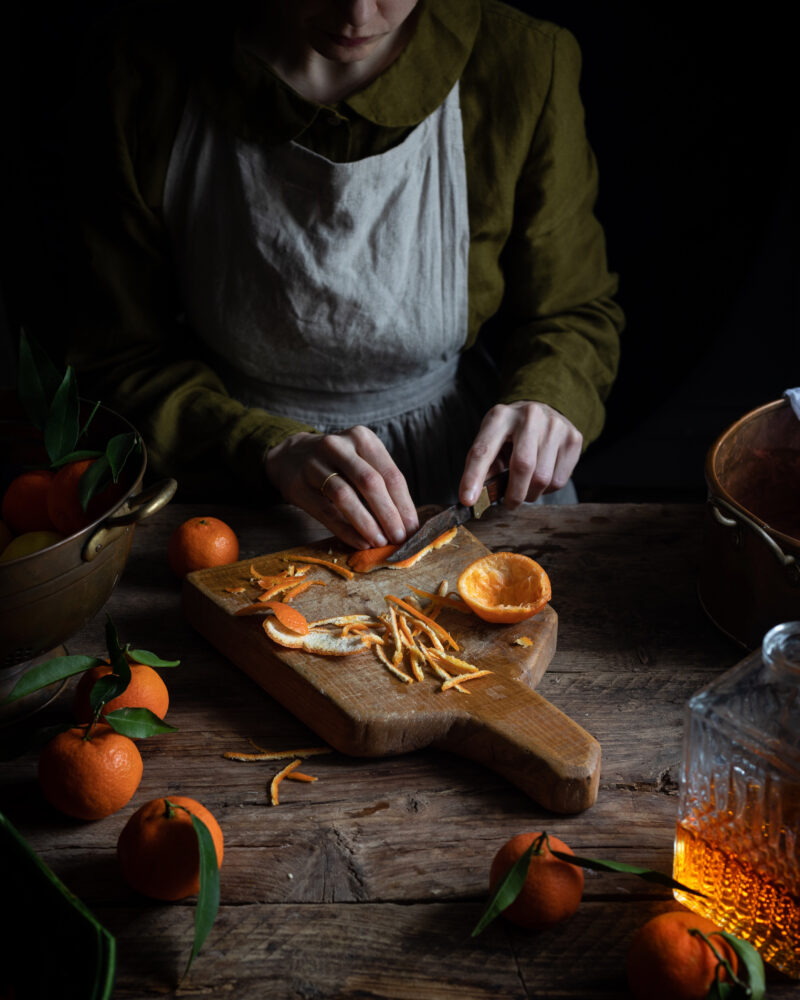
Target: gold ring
x=327 y=480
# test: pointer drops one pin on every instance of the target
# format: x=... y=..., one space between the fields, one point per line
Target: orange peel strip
x=342 y=620
x=348 y=574
x=299 y=776
x=454 y=661
x=283 y=754
x=454 y=681
x=415 y=613
x=234 y=590
x=454 y=603
x=291 y=618
x=275 y=589
x=273 y=785
x=301 y=588
x=393 y=669
x=523 y=640
x=441 y=672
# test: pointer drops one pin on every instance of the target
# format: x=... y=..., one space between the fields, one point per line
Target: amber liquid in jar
x=738 y=830
x=741 y=900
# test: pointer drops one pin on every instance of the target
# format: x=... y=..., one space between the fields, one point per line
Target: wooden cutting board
x=354 y=704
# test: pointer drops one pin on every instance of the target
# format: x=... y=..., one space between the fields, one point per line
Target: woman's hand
x=347 y=481
x=538 y=445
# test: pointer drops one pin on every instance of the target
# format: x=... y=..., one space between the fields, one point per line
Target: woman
x=301 y=220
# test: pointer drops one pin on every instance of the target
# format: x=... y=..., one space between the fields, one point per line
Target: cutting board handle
x=533 y=744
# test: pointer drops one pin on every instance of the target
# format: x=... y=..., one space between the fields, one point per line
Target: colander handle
x=735 y=519
x=137 y=509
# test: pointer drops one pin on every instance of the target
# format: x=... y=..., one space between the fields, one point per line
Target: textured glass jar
x=738 y=832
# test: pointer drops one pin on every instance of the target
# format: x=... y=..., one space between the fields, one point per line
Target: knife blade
x=493 y=491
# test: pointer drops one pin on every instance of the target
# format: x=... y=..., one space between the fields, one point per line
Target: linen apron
x=336 y=293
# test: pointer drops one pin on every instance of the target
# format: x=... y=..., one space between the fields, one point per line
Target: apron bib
x=335 y=293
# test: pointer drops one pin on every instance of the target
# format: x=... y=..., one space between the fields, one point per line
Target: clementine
x=145 y=690
x=90 y=777
x=552 y=890
x=24 y=505
x=63 y=503
x=158 y=851
x=199 y=543
x=505 y=587
x=666 y=962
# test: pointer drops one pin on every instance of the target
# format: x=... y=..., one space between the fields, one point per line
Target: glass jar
x=738 y=832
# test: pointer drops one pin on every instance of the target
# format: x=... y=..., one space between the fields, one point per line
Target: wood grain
x=355 y=705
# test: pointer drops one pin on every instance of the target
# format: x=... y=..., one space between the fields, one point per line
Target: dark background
x=689 y=114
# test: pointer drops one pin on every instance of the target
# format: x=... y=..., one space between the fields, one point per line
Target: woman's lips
x=350 y=43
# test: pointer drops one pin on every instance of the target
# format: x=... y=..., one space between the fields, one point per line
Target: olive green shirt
x=537 y=259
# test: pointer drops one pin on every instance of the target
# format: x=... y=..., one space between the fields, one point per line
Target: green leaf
x=117 y=451
x=75 y=456
x=61 y=428
x=150 y=659
x=50 y=671
x=37 y=381
x=648 y=874
x=94 y=480
x=507 y=889
x=104 y=690
x=138 y=723
x=749 y=961
x=208 y=898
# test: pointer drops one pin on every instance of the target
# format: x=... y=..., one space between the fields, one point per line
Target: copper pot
x=750 y=565
x=47 y=596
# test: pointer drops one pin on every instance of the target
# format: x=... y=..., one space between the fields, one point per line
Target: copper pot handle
x=138 y=508
x=738 y=519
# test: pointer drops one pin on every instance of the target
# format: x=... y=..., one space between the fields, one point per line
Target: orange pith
x=157 y=848
x=90 y=779
x=666 y=962
x=552 y=890
x=146 y=690
x=505 y=587
x=200 y=543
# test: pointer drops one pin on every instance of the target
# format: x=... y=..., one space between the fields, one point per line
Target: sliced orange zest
x=300 y=776
x=454 y=681
x=273 y=786
x=416 y=613
x=454 y=603
x=523 y=640
x=289 y=617
x=341 y=570
x=392 y=668
x=276 y=588
x=234 y=590
x=505 y=587
x=440 y=671
x=341 y=620
x=264 y=754
x=366 y=560
x=301 y=588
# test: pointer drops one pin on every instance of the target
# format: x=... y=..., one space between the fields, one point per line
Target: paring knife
x=493 y=491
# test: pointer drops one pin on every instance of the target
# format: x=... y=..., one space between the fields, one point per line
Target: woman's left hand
x=537 y=445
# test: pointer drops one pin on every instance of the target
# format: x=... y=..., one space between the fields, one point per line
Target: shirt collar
x=405 y=94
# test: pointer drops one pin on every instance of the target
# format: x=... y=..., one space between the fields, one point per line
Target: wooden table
x=367 y=883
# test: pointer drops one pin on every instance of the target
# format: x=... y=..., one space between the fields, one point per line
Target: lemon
x=31 y=541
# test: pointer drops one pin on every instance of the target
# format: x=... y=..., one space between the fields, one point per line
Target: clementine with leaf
x=552 y=889
x=24 y=505
x=199 y=543
x=158 y=851
x=667 y=962
x=505 y=587
x=145 y=690
x=63 y=500
x=92 y=776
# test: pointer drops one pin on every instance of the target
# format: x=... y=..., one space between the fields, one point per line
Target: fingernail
x=398 y=537
x=380 y=540
x=470 y=497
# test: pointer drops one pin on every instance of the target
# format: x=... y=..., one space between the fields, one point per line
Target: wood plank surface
x=367 y=883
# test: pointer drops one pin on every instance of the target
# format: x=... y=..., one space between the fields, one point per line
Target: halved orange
x=505 y=587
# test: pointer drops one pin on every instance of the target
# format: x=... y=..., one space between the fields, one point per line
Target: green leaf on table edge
x=62 y=427
x=37 y=380
x=507 y=890
x=94 y=480
x=76 y=456
x=208 y=897
x=648 y=874
x=118 y=450
x=149 y=659
x=57 y=669
x=752 y=962
x=138 y=723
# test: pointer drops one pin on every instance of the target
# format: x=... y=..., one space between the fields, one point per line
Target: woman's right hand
x=347 y=481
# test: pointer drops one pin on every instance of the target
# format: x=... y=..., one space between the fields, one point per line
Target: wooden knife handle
x=519 y=734
x=496 y=487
